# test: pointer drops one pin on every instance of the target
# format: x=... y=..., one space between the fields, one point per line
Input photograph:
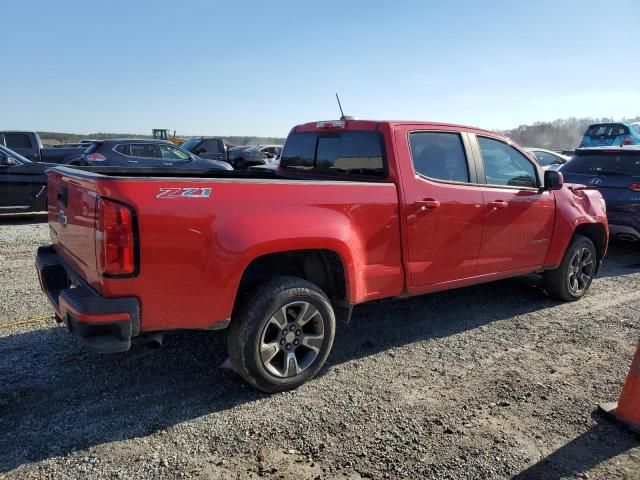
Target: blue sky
x=258 y=68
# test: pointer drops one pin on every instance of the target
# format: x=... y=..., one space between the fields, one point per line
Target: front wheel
x=572 y=279
x=282 y=335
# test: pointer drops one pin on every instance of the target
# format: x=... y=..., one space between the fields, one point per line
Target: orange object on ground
x=627 y=409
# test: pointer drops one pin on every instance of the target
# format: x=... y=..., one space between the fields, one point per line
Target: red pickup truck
x=356 y=211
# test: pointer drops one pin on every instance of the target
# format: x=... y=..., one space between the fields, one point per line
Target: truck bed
x=198 y=233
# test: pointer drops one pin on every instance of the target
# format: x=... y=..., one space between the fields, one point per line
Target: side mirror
x=553 y=180
x=6 y=160
x=199 y=150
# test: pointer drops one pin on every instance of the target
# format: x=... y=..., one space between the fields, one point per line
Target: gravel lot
x=493 y=381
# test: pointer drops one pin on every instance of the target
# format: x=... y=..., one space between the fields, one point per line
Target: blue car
x=611 y=135
x=615 y=171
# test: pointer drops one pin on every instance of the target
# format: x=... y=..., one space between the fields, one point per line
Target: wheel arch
x=324 y=267
x=597 y=233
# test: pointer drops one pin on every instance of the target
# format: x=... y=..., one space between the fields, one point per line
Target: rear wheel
x=572 y=279
x=282 y=335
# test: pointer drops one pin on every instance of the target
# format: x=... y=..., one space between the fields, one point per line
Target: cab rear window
x=348 y=153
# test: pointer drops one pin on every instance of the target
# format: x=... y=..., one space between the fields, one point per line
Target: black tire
x=240 y=164
x=561 y=282
x=260 y=317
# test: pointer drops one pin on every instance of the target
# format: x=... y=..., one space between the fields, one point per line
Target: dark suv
x=145 y=153
x=615 y=171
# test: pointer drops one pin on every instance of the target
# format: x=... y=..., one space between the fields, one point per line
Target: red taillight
x=96 y=157
x=115 y=239
x=634 y=187
x=629 y=140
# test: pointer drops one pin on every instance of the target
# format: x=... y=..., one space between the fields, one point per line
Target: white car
x=548 y=159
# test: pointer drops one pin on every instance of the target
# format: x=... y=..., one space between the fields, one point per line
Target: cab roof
x=352 y=124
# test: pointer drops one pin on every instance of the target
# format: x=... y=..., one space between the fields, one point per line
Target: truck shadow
x=600 y=443
x=56 y=398
x=22 y=218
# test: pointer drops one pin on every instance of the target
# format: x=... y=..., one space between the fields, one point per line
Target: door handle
x=499 y=204
x=427 y=203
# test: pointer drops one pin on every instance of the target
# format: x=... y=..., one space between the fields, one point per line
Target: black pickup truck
x=29 y=145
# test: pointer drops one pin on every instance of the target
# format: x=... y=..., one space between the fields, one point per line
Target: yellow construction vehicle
x=163 y=134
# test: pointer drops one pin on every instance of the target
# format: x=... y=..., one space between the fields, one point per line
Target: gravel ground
x=493 y=381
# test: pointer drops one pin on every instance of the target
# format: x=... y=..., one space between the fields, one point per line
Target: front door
x=518 y=215
x=443 y=209
x=16 y=187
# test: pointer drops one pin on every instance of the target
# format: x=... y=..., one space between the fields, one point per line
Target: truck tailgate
x=72 y=216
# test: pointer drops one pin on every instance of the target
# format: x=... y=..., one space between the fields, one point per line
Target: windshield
x=191 y=143
x=625 y=163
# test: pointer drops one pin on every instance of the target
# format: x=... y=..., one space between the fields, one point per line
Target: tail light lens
x=96 y=157
x=629 y=140
x=634 y=187
x=115 y=239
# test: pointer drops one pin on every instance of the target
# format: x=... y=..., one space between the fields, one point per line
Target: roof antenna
x=342 y=117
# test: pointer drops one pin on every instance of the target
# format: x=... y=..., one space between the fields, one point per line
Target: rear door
x=442 y=206
x=16 y=186
x=517 y=215
x=144 y=155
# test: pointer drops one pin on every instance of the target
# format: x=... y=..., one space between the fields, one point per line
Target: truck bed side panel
x=193 y=251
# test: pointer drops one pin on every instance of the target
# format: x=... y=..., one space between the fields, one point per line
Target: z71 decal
x=176 y=192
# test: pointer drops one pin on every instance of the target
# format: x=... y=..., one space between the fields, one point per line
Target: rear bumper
x=104 y=325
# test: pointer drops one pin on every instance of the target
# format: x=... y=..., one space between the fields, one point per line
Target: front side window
x=143 y=150
x=439 y=156
x=172 y=153
x=504 y=165
x=17 y=140
x=211 y=146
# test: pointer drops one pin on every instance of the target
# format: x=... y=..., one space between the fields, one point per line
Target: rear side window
x=504 y=165
x=143 y=150
x=439 y=155
x=123 y=149
x=612 y=163
x=636 y=127
x=351 y=153
x=607 y=130
x=17 y=140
